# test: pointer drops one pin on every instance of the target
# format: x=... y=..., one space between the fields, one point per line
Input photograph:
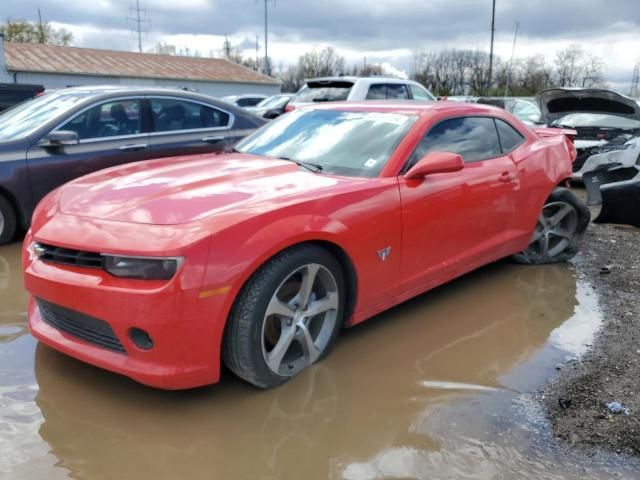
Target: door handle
x=507 y=177
x=212 y=139
x=133 y=147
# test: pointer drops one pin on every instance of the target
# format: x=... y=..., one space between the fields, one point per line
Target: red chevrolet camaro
x=161 y=270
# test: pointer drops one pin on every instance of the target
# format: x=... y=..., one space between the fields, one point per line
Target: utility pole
x=510 y=68
x=138 y=21
x=493 y=29
x=41 y=38
x=257 y=53
x=635 y=80
x=265 y=67
x=227 y=48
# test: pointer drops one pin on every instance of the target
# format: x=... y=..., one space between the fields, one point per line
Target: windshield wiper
x=312 y=167
x=322 y=100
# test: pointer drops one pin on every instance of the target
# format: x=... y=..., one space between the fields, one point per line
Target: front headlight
x=142 y=268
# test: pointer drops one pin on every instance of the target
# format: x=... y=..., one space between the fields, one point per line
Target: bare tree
x=568 y=66
x=592 y=71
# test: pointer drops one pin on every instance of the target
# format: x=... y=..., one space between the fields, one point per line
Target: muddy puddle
x=439 y=387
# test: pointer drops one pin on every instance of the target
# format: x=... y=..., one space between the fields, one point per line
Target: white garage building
x=59 y=67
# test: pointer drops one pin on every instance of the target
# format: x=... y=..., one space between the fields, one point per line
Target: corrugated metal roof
x=30 y=57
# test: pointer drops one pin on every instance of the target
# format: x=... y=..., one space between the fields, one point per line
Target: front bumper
x=185 y=327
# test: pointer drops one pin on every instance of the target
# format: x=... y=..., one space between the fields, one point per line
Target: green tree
x=23 y=31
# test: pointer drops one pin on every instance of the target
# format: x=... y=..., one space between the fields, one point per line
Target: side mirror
x=59 y=138
x=273 y=113
x=435 y=162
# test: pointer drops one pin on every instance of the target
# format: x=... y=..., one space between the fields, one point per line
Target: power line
x=510 y=67
x=138 y=21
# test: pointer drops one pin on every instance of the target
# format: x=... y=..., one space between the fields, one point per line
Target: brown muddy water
x=439 y=387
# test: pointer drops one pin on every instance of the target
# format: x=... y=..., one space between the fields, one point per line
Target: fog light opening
x=141 y=338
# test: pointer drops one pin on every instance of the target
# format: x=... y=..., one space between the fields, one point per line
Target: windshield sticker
x=370 y=163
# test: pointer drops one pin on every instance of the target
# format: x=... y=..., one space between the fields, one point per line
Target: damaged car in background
x=607 y=145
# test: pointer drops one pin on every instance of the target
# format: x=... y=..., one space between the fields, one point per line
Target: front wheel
x=286 y=317
x=559 y=230
x=7 y=221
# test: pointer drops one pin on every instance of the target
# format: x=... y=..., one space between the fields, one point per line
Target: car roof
x=409 y=107
x=360 y=79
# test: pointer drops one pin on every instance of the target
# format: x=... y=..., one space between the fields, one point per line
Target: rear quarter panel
x=542 y=164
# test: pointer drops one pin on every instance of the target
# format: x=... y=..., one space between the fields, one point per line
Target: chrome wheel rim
x=300 y=319
x=556 y=227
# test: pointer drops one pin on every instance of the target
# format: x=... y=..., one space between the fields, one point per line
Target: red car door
x=455 y=222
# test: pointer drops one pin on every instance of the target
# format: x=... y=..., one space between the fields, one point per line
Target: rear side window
x=249 y=101
x=420 y=93
x=510 y=138
x=323 y=92
x=393 y=91
x=474 y=138
x=171 y=114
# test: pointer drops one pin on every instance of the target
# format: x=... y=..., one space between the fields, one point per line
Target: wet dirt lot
x=439 y=387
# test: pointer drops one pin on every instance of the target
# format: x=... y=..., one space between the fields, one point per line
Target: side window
x=419 y=93
x=475 y=138
x=377 y=92
x=393 y=91
x=110 y=119
x=510 y=138
x=397 y=91
x=171 y=115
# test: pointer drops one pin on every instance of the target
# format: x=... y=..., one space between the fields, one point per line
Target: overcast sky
x=386 y=31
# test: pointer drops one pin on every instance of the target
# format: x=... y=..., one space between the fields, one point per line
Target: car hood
x=179 y=190
x=557 y=102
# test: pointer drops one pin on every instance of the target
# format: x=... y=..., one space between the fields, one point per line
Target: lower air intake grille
x=89 y=329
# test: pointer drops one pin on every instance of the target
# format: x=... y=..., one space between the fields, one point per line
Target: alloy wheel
x=555 y=230
x=300 y=319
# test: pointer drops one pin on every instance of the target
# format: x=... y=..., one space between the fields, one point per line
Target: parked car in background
x=14 y=93
x=243 y=101
x=524 y=108
x=61 y=135
x=321 y=219
x=354 y=89
x=271 y=107
x=603 y=119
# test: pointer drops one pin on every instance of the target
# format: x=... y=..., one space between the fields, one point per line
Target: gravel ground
x=575 y=400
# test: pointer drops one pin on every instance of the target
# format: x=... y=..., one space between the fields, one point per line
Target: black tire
x=7 y=221
x=243 y=349
x=577 y=216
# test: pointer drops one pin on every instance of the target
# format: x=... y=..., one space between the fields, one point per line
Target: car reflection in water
x=13 y=298
x=368 y=397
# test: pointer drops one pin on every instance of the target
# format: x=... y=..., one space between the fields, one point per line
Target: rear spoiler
x=568 y=134
x=552 y=132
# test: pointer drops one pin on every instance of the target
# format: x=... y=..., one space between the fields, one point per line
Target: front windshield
x=597 y=120
x=341 y=142
x=25 y=118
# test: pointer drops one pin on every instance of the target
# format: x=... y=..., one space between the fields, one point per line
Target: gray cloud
x=355 y=24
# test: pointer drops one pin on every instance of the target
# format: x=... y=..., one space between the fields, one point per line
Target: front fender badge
x=384 y=253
